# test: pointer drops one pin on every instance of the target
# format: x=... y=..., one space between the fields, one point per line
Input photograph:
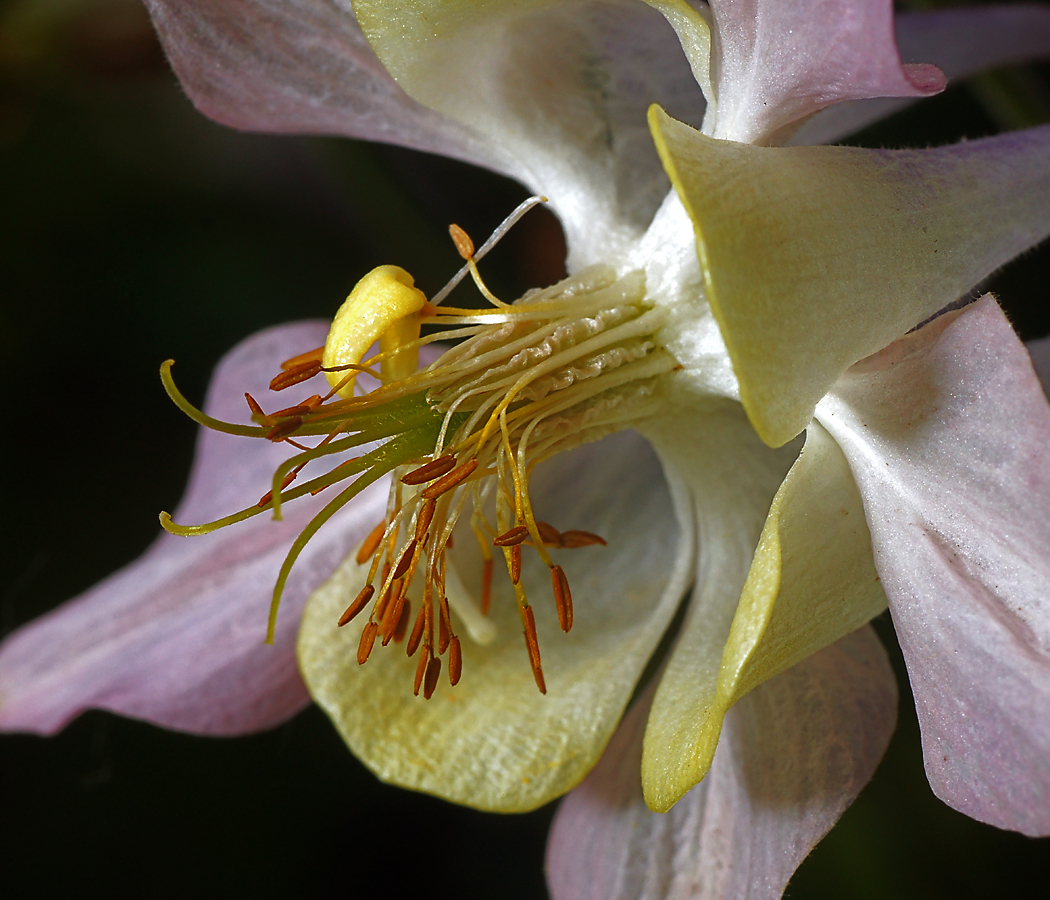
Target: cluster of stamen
x=558 y=368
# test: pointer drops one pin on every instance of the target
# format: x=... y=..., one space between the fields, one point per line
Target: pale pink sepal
x=793 y=755
x=779 y=61
x=176 y=637
x=947 y=433
x=960 y=42
x=297 y=67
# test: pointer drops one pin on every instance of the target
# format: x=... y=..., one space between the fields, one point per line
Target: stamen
x=515 y=563
x=570 y=540
x=367 y=592
x=455 y=662
x=405 y=560
x=444 y=627
x=451 y=480
x=402 y=622
x=532 y=644
x=548 y=533
x=421 y=669
x=371 y=544
x=515 y=536
x=283 y=429
x=434 y=469
x=464 y=245
x=368 y=639
x=296 y=375
x=431 y=679
x=303 y=358
x=416 y=636
x=253 y=405
x=562 y=598
x=426 y=516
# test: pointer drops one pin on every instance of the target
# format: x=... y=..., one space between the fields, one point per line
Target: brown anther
x=417 y=633
x=509 y=538
x=515 y=563
x=532 y=644
x=464 y=245
x=572 y=539
x=449 y=481
x=486 y=586
x=405 y=560
x=394 y=612
x=421 y=669
x=384 y=601
x=402 y=622
x=562 y=597
x=309 y=356
x=425 y=517
x=444 y=627
x=298 y=410
x=284 y=428
x=368 y=638
x=371 y=544
x=287 y=480
x=548 y=533
x=253 y=405
x=431 y=680
x=367 y=592
x=299 y=374
x=448 y=543
x=431 y=470
x=455 y=662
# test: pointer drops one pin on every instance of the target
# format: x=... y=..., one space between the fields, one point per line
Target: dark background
x=133 y=230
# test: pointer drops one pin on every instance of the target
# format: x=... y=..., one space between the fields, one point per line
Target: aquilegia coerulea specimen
x=773 y=291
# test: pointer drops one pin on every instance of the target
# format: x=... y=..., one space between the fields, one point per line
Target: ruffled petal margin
x=947 y=433
x=176 y=638
x=795 y=753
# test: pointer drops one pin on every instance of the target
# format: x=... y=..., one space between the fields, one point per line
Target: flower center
x=558 y=368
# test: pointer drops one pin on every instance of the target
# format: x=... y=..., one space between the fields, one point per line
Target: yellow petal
x=493 y=741
x=816 y=257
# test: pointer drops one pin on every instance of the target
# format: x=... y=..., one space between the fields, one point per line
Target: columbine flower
x=773 y=291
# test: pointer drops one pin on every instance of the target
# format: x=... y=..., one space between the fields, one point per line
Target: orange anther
x=444 y=627
x=392 y=616
x=417 y=633
x=573 y=539
x=367 y=592
x=402 y=622
x=284 y=428
x=486 y=586
x=287 y=480
x=371 y=544
x=451 y=480
x=464 y=245
x=423 y=520
x=431 y=679
x=548 y=533
x=562 y=597
x=296 y=375
x=455 y=662
x=515 y=563
x=253 y=405
x=405 y=560
x=509 y=538
x=532 y=644
x=421 y=669
x=431 y=470
x=368 y=638
x=309 y=356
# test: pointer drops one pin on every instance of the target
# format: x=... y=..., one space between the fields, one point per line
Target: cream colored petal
x=558 y=90
x=493 y=741
x=733 y=477
x=815 y=257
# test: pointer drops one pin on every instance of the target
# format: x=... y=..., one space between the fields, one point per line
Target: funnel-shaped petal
x=494 y=742
x=772 y=793
x=815 y=257
x=948 y=435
